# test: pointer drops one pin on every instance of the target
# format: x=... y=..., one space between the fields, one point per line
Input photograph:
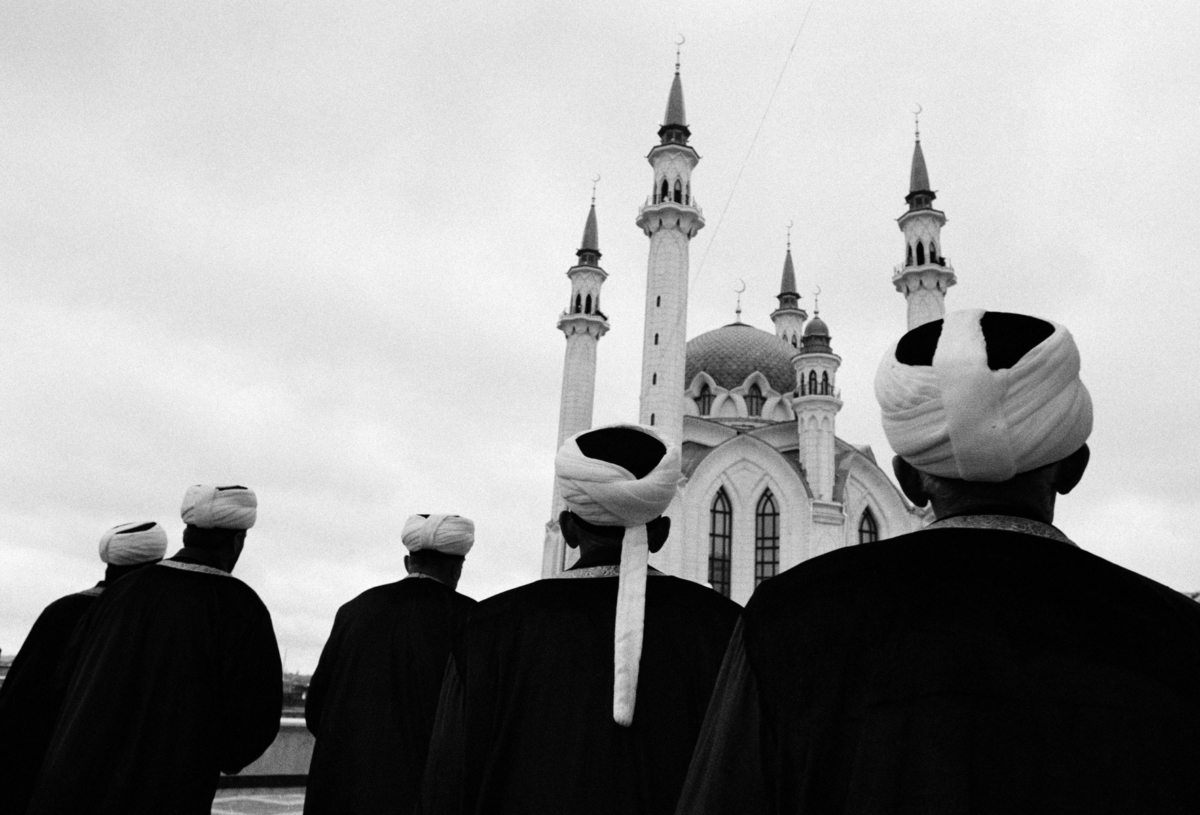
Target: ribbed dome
x=731 y=353
x=816 y=328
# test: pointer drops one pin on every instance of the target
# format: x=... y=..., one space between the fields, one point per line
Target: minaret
x=583 y=324
x=670 y=218
x=789 y=317
x=926 y=273
x=817 y=406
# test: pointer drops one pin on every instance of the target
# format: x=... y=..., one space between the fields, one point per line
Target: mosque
x=768 y=482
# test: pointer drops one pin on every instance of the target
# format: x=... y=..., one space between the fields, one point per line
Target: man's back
x=176 y=679
x=535 y=672
x=961 y=671
x=374 y=694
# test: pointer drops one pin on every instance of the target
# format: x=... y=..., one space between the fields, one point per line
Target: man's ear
x=657 y=532
x=566 y=525
x=909 y=478
x=1070 y=470
x=407 y=564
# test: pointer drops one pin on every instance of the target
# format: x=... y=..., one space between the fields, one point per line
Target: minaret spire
x=816 y=405
x=926 y=274
x=789 y=317
x=584 y=324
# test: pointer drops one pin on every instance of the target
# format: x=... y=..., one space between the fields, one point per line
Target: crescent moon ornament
x=682 y=40
x=917 y=118
x=743 y=286
x=595 y=181
x=919 y=109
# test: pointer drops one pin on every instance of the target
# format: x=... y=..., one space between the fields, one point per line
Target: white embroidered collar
x=1007 y=523
x=193 y=567
x=94 y=591
x=422 y=574
x=611 y=570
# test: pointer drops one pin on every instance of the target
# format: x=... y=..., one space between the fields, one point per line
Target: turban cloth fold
x=128 y=544
x=211 y=507
x=1001 y=395
x=448 y=534
x=607 y=494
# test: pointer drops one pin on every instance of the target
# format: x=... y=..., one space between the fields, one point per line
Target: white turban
x=448 y=534
x=211 y=507
x=957 y=416
x=607 y=494
x=127 y=544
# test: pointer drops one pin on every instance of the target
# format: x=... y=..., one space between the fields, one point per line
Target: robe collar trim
x=193 y=567
x=613 y=570
x=422 y=574
x=94 y=591
x=1006 y=523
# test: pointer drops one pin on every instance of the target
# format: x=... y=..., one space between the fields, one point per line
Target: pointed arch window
x=908 y=256
x=720 y=542
x=933 y=252
x=665 y=191
x=578 y=304
x=754 y=401
x=705 y=400
x=687 y=194
x=678 y=192
x=825 y=389
x=766 y=538
x=868 y=528
x=812 y=383
x=587 y=304
x=920 y=254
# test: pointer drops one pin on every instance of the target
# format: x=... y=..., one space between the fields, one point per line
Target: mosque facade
x=769 y=483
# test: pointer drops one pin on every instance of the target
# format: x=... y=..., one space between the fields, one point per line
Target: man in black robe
x=174 y=678
x=375 y=691
x=28 y=704
x=585 y=693
x=986 y=664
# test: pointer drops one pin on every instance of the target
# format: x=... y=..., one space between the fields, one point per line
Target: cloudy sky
x=319 y=249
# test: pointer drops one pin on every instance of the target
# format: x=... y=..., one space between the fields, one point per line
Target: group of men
x=986 y=664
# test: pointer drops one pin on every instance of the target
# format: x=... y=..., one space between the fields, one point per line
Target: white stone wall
x=664 y=343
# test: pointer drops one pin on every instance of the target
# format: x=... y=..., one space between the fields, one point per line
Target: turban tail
x=448 y=534
x=958 y=418
x=209 y=507
x=607 y=494
x=128 y=544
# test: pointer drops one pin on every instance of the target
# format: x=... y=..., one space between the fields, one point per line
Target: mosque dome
x=731 y=353
x=816 y=328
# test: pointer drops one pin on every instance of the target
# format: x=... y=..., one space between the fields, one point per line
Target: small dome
x=731 y=353
x=816 y=328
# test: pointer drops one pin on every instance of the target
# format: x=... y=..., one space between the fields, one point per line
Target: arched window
x=663 y=195
x=720 y=542
x=868 y=529
x=688 y=194
x=578 y=304
x=766 y=538
x=754 y=401
x=587 y=304
x=678 y=192
x=825 y=383
x=812 y=383
x=794 y=345
x=656 y=339
x=920 y=254
x=658 y=301
x=932 y=252
x=908 y=256
x=705 y=400
x=654 y=379
x=651 y=419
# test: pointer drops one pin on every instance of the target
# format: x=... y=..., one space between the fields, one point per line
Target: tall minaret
x=817 y=406
x=670 y=219
x=926 y=273
x=789 y=317
x=584 y=324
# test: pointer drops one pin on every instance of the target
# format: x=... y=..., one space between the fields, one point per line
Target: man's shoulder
x=414 y=590
x=183 y=582
x=689 y=592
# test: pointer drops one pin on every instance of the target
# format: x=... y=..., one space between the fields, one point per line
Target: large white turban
x=127 y=544
x=998 y=396
x=607 y=494
x=210 y=507
x=448 y=534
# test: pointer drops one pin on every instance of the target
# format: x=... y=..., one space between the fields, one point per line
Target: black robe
x=956 y=671
x=525 y=722
x=28 y=703
x=175 y=678
x=374 y=695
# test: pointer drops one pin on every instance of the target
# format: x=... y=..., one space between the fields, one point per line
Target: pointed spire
x=674 y=127
x=589 y=248
x=788 y=296
x=918 y=180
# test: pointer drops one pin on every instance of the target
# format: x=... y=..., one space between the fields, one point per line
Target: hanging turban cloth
x=627 y=494
x=448 y=534
x=209 y=507
x=983 y=396
x=128 y=544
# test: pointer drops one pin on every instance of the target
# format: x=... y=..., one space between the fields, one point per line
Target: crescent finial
x=917 y=117
x=789 y=236
x=743 y=284
x=817 y=301
x=595 y=181
x=678 y=48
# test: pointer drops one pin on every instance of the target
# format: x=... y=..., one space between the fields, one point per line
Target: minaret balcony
x=689 y=217
x=581 y=322
x=938 y=275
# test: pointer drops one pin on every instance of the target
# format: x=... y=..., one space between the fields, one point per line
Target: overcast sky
x=319 y=249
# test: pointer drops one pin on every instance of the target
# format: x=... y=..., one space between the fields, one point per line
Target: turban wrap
x=448 y=534
x=128 y=544
x=607 y=494
x=999 y=395
x=210 y=507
